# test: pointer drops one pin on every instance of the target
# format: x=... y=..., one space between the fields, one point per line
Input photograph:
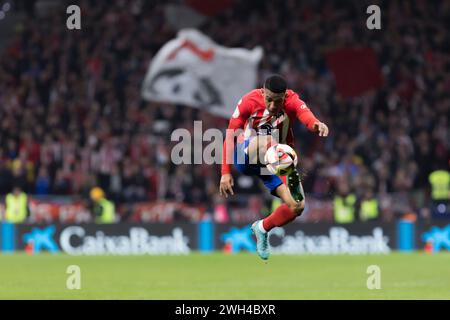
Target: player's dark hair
x=276 y=84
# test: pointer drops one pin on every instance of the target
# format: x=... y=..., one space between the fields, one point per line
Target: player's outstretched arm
x=226 y=185
x=321 y=129
x=237 y=122
x=306 y=117
x=226 y=181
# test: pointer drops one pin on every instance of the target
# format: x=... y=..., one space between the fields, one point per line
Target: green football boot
x=295 y=185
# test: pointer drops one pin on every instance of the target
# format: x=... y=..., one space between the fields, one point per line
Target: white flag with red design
x=193 y=70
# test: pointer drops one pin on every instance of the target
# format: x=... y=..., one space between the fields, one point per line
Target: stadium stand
x=72 y=116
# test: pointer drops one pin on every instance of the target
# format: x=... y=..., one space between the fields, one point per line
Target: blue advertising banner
x=112 y=239
x=7 y=237
x=309 y=238
x=405 y=235
x=433 y=236
x=206 y=236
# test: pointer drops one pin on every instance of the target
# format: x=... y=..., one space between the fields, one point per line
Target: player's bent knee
x=298 y=207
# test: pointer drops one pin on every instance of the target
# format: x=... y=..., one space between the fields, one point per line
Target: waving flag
x=194 y=71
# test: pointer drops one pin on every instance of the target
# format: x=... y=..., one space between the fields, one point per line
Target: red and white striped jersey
x=252 y=115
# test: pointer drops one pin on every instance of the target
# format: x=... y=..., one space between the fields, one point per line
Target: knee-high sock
x=281 y=216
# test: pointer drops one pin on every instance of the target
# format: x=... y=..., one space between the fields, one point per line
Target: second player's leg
x=258 y=146
x=295 y=185
x=284 y=214
x=257 y=149
x=285 y=194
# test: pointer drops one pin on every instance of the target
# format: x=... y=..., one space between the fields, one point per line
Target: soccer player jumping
x=265 y=117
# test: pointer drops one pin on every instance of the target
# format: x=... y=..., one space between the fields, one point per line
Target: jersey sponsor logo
x=265 y=129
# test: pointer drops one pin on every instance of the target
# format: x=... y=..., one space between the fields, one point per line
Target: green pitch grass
x=225 y=276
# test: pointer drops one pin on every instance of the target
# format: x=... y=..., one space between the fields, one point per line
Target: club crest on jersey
x=265 y=129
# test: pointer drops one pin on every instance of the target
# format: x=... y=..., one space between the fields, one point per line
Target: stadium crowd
x=72 y=117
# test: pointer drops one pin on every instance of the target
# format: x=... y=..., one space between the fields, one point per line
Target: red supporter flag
x=356 y=70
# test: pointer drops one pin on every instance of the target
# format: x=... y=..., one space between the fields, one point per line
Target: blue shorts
x=271 y=181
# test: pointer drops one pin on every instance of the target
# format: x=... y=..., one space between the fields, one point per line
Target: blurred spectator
x=344 y=204
x=440 y=193
x=6 y=178
x=220 y=210
x=42 y=182
x=16 y=210
x=368 y=207
x=440 y=185
x=102 y=208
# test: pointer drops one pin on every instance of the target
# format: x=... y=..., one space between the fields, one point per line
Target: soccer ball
x=280 y=159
